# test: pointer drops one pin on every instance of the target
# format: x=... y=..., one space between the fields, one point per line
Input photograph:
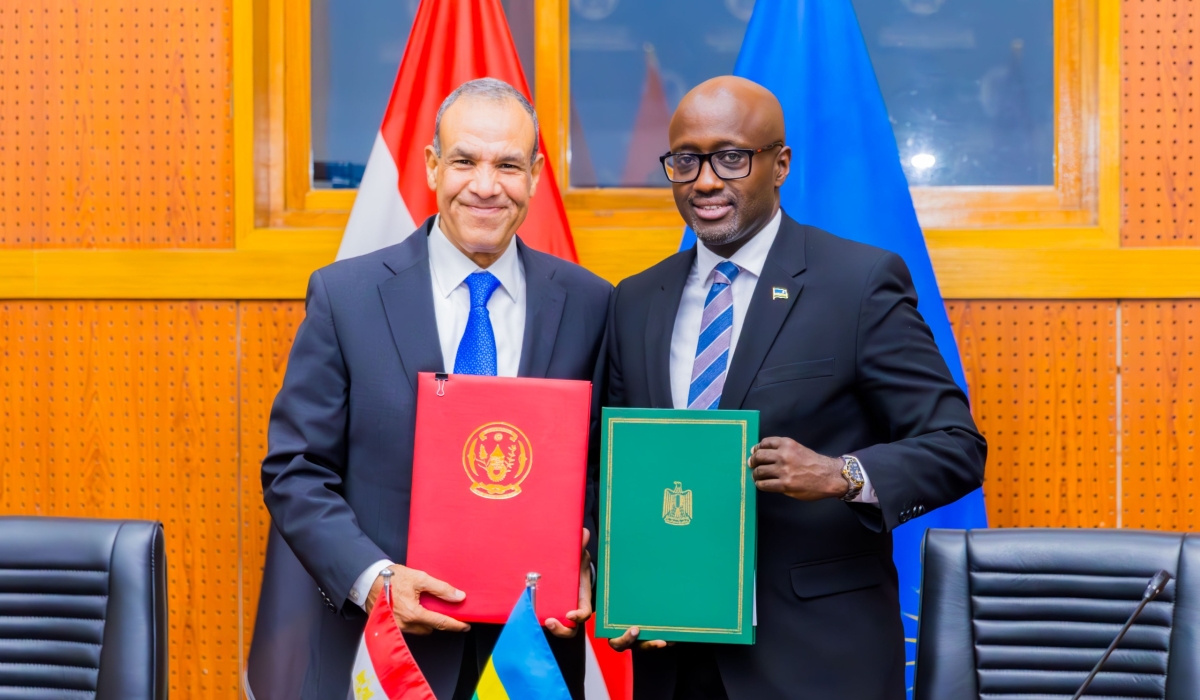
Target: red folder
x=499 y=474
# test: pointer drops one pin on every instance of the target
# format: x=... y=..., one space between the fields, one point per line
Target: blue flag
x=846 y=178
x=522 y=665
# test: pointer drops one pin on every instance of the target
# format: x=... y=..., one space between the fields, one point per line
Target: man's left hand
x=782 y=465
x=582 y=614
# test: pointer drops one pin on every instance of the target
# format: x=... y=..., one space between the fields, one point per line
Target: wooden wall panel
x=1160 y=414
x=1043 y=389
x=129 y=410
x=116 y=128
x=267 y=331
x=1159 y=103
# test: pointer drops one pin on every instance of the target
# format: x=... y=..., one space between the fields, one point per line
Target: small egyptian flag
x=384 y=668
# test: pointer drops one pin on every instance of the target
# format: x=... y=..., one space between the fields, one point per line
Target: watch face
x=855 y=470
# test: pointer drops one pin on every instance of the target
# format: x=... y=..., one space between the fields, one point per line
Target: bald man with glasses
x=865 y=427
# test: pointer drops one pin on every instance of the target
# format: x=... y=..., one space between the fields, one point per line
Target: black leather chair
x=83 y=609
x=1025 y=614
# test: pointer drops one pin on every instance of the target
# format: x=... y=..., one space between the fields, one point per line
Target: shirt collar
x=750 y=257
x=450 y=266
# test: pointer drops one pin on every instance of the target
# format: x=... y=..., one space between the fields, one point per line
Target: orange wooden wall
x=117 y=130
x=116 y=133
x=1043 y=387
x=1159 y=103
x=129 y=409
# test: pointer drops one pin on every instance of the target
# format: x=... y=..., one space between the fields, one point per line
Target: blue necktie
x=477 y=349
x=716 y=335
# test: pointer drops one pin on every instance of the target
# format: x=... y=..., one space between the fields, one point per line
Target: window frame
x=1078 y=210
x=1071 y=201
x=276 y=250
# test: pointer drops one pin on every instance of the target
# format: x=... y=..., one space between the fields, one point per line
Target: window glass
x=969 y=87
x=356 y=50
x=969 y=84
x=631 y=63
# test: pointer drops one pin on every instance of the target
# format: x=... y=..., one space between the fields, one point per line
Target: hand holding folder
x=406 y=589
x=581 y=614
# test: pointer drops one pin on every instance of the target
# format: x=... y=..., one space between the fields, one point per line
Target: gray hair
x=487 y=89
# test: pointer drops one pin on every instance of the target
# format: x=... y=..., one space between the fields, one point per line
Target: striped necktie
x=716 y=332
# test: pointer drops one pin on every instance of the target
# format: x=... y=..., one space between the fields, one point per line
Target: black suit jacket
x=844 y=364
x=338 y=471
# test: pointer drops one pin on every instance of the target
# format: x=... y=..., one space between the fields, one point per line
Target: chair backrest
x=1025 y=613
x=82 y=609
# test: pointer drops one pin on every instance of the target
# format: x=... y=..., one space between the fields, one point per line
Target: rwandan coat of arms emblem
x=497 y=458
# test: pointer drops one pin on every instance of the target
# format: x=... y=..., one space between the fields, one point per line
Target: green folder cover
x=678 y=530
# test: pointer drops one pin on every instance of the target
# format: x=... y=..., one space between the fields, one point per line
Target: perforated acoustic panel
x=1160 y=105
x=115 y=124
x=1043 y=391
x=118 y=409
x=267 y=331
x=1160 y=414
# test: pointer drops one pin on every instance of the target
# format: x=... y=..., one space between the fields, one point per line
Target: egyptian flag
x=384 y=667
x=452 y=41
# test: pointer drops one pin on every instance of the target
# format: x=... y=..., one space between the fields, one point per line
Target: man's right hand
x=407 y=587
x=630 y=638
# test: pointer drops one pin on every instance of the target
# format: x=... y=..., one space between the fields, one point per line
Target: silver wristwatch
x=852 y=472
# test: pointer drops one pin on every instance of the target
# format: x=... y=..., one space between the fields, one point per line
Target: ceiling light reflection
x=923 y=161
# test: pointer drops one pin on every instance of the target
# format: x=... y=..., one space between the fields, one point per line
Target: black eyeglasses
x=730 y=164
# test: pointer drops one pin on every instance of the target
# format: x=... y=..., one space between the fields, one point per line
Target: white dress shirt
x=750 y=259
x=448 y=268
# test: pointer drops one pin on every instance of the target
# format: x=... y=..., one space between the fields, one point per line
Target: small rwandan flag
x=522 y=665
x=384 y=668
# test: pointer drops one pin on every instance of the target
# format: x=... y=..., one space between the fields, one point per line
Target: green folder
x=678 y=529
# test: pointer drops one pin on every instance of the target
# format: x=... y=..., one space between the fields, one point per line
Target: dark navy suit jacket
x=844 y=363
x=338 y=472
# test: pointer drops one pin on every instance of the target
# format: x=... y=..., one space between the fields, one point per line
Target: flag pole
x=387 y=586
x=531 y=582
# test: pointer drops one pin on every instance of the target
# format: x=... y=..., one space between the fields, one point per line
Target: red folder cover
x=499 y=473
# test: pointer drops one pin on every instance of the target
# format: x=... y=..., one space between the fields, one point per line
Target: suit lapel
x=764 y=319
x=408 y=303
x=544 y=301
x=660 y=326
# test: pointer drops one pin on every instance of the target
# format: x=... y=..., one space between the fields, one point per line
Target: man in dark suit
x=460 y=294
x=821 y=336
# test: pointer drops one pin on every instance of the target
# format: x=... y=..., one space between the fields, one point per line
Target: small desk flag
x=384 y=668
x=522 y=665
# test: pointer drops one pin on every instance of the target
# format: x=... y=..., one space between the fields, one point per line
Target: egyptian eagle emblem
x=497 y=457
x=677 y=505
x=362 y=687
